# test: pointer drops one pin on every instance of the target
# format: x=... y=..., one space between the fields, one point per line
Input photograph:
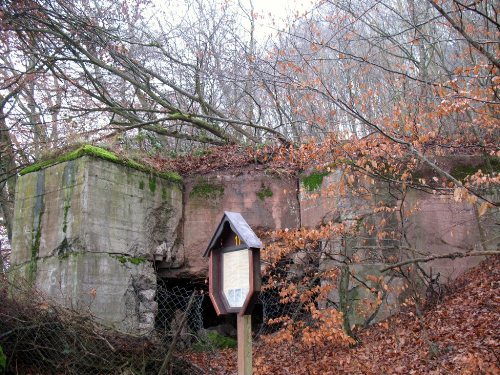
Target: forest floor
x=463 y=328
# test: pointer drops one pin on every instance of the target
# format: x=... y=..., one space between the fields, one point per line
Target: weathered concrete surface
x=45 y=207
x=73 y=217
x=266 y=202
x=429 y=224
x=132 y=213
x=439 y=225
x=86 y=232
x=335 y=200
x=92 y=205
x=117 y=292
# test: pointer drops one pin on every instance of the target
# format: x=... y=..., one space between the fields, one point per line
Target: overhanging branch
x=451 y=256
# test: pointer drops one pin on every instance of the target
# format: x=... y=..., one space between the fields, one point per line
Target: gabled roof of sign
x=240 y=227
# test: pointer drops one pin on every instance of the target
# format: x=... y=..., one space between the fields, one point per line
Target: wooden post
x=244 y=328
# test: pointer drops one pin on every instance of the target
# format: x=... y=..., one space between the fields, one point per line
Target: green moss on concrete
x=164 y=194
x=84 y=150
x=152 y=184
x=207 y=190
x=135 y=165
x=313 y=181
x=136 y=260
x=101 y=154
x=170 y=176
x=68 y=183
x=141 y=185
x=461 y=172
x=120 y=258
x=128 y=259
x=36 y=167
x=38 y=211
x=35 y=248
x=264 y=193
x=65 y=218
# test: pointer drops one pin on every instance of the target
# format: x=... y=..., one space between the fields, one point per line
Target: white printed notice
x=236 y=276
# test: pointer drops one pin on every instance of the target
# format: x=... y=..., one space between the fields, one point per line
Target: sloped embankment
x=465 y=327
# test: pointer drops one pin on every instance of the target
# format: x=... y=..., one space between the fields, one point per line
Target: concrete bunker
x=87 y=227
x=101 y=234
x=107 y=235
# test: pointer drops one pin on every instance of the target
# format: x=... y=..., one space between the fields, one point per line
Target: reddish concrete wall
x=320 y=206
x=202 y=213
x=433 y=224
x=334 y=200
x=438 y=224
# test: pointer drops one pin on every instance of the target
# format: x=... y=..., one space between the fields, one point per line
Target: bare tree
x=164 y=80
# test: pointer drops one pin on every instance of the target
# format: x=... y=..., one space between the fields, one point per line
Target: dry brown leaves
x=223 y=157
x=222 y=362
x=465 y=327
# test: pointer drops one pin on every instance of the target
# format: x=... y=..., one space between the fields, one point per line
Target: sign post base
x=244 y=327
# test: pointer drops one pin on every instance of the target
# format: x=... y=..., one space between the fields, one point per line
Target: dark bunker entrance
x=172 y=297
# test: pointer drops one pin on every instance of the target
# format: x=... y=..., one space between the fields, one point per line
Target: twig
x=106 y=341
x=447 y=256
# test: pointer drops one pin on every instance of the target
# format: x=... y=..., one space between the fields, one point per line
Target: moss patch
x=214 y=340
x=65 y=219
x=3 y=359
x=128 y=259
x=170 y=176
x=141 y=185
x=207 y=190
x=313 y=181
x=101 y=154
x=35 y=248
x=36 y=235
x=461 y=172
x=152 y=184
x=84 y=150
x=264 y=193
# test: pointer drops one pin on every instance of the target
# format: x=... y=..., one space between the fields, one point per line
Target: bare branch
x=443 y=256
